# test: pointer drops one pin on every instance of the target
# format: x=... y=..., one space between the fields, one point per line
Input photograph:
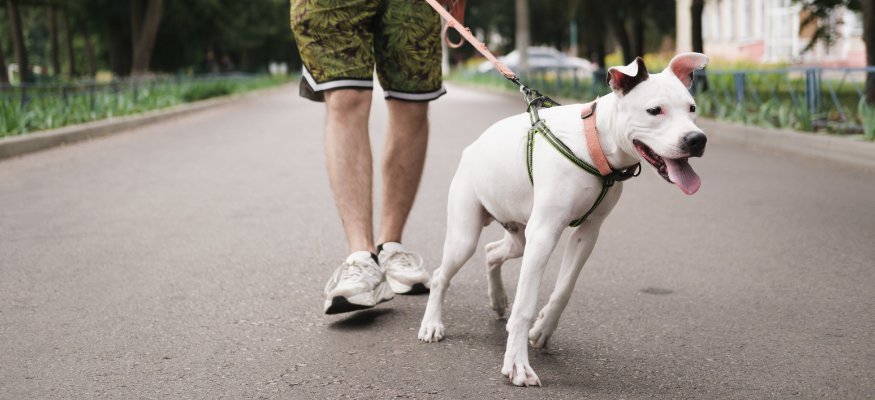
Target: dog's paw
x=498 y=303
x=520 y=373
x=431 y=332
x=542 y=331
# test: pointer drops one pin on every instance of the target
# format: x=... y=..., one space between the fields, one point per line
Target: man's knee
x=348 y=101
x=411 y=112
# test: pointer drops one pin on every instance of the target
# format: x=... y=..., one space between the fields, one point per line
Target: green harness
x=535 y=101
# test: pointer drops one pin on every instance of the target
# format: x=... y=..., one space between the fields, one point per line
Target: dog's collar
x=594 y=145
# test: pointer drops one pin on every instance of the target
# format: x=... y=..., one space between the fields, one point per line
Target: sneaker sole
x=400 y=288
x=340 y=304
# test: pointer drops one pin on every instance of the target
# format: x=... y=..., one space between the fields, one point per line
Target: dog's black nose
x=695 y=142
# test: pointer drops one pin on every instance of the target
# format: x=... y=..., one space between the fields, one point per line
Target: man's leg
x=403 y=159
x=350 y=164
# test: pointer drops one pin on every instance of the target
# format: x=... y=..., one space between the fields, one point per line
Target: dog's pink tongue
x=682 y=175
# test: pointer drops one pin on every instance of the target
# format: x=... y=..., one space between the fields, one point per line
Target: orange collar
x=592 y=139
x=594 y=145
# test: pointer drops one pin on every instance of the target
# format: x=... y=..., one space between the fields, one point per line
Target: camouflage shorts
x=341 y=41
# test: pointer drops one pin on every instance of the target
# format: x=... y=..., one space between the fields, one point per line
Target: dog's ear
x=624 y=79
x=683 y=65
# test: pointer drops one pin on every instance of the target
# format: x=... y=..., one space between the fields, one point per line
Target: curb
x=19 y=145
x=812 y=145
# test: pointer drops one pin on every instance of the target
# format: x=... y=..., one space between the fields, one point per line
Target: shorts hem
x=417 y=96
x=337 y=83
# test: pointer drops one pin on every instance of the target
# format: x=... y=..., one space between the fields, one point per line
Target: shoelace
x=354 y=271
x=406 y=260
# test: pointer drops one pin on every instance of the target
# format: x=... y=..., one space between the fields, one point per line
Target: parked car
x=543 y=58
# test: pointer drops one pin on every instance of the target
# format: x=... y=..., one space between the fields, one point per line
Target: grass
x=49 y=107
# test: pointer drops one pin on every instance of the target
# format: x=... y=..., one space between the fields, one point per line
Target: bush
x=206 y=91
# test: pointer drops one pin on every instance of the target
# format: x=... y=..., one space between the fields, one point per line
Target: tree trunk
x=18 y=42
x=622 y=35
x=53 y=38
x=117 y=35
x=136 y=8
x=594 y=28
x=146 y=37
x=638 y=34
x=522 y=34
x=869 y=39
x=697 y=9
x=4 y=73
x=89 y=53
x=68 y=33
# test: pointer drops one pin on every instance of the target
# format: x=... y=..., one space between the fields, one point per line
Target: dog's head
x=657 y=116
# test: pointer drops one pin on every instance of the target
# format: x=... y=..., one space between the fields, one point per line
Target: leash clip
x=622 y=175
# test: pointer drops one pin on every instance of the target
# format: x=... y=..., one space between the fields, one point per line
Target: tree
x=68 y=35
x=696 y=11
x=697 y=8
x=869 y=38
x=18 y=41
x=522 y=34
x=639 y=24
x=595 y=30
x=53 y=37
x=817 y=17
x=89 y=53
x=144 y=28
x=4 y=76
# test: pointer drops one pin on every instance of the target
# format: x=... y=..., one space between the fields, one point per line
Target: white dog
x=647 y=118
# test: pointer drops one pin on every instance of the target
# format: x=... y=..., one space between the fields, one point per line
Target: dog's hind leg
x=465 y=220
x=509 y=247
x=577 y=251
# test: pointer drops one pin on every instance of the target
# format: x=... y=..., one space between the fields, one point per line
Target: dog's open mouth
x=673 y=170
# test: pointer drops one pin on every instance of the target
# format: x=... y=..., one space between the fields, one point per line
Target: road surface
x=187 y=259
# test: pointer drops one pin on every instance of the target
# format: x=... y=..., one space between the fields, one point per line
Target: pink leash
x=466 y=34
x=536 y=99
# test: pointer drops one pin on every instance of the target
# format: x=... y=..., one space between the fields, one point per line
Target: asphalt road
x=187 y=260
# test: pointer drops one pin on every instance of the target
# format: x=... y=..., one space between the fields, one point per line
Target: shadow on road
x=361 y=320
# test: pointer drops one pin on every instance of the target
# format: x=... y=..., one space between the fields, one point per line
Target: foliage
x=772 y=98
x=206 y=90
x=249 y=34
x=48 y=107
x=867 y=114
x=550 y=22
x=816 y=18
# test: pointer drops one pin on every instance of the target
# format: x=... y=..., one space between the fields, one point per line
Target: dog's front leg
x=577 y=251
x=542 y=233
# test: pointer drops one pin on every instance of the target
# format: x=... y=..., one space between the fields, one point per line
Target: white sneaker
x=357 y=284
x=404 y=270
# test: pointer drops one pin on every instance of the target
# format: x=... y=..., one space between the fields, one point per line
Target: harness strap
x=535 y=100
x=607 y=174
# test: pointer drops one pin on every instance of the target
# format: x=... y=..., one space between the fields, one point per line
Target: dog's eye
x=692 y=108
x=654 y=110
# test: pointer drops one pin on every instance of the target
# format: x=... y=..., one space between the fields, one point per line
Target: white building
x=769 y=31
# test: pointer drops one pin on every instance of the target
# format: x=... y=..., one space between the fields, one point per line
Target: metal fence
x=22 y=95
x=807 y=99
